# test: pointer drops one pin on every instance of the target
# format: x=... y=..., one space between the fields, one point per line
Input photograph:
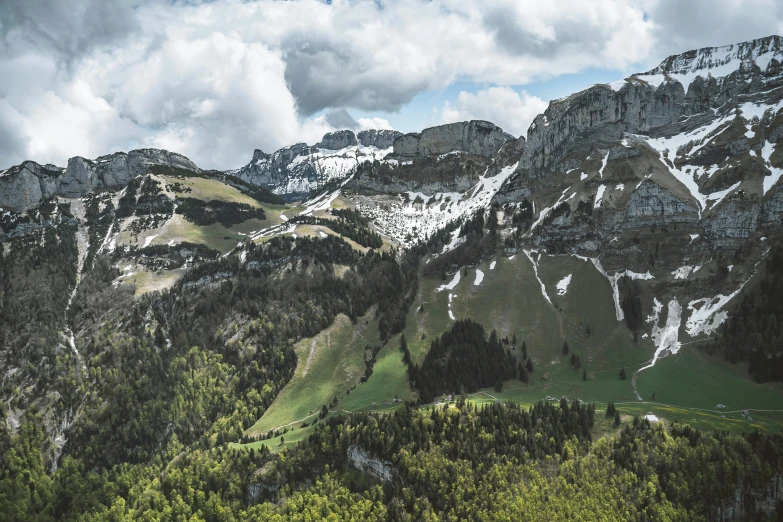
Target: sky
x=214 y=80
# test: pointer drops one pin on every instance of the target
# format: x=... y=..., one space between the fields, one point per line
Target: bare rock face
x=337 y=140
x=480 y=138
x=286 y=171
x=28 y=184
x=381 y=139
x=25 y=185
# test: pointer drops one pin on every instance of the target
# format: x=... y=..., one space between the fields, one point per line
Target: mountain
x=299 y=170
x=267 y=336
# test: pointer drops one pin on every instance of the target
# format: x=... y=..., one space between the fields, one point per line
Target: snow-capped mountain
x=673 y=174
x=296 y=171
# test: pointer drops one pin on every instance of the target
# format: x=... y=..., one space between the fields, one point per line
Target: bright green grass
x=694 y=379
x=389 y=380
x=214 y=236
x=688 y=385
x=336 y=358
x=207 y=189
x=290 y=439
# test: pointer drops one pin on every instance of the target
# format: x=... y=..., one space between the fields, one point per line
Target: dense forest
x=443 y=463
x=227 y=213
x=353 y=229
x=463 y=360
x=754 y=329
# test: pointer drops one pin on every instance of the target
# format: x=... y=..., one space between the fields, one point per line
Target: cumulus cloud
x=511 y=110
x=216 y=79
x=374 y=123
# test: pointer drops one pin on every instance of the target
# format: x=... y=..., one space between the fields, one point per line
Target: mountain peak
x=721 y=61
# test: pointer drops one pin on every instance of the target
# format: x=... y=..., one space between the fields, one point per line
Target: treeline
x=227 y=213
x=259 y=193
x=463 y=359
x=475 y=244
x=352 y=229
x=754 y=330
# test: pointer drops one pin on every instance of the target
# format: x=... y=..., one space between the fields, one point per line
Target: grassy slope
x=337 y=363
x=215 y=236
x=510 y=300
x=688 y=385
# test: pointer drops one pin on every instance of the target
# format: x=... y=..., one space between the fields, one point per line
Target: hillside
x=412 y=326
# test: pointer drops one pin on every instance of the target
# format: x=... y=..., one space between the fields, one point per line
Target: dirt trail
x=314 y=349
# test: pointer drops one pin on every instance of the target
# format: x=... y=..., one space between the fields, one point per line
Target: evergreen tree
x=584 y=375
x=565 y=348
x=616 y=418
x=623 y=376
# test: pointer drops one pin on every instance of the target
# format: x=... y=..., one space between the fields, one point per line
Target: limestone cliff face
x=448 y=158
x=28 y=184
x=25 y=185
x=682 y=87
x=691 y=142
x=381 y=139
x=480 y=138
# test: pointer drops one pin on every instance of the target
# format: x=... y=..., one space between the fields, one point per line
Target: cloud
x=511 y=110
x=374 y=123
x=341 y=120
x=681 y=26
x=216 y=79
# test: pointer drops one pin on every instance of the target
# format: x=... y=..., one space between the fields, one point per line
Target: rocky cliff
x=299 y=170
x=24 y=186
x=476 y=137
x=672 y=175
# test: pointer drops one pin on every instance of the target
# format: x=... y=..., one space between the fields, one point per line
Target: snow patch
x=614 y=278
x=684 y=271
x=582 y=176
x=599 y=195
x=666 y=337
x=492 y=265
x=562 y=286
x=148 y=240
x=775 y=173
x=479 y=277
x=454 y=282
x=535 y=271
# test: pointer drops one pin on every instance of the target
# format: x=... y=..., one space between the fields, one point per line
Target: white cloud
x=214 y=80
x=374 y=123
x=511 y=110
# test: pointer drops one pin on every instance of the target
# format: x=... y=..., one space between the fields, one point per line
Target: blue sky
x=424 y=109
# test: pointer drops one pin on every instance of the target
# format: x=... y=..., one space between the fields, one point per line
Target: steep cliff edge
x=25 y=186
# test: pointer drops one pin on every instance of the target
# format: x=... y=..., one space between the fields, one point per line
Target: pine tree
x=530 y=365
x=653 y=395
x=588 y=331
x=584 y=375
x=623 y=376
x=565 y=348
x=616 y=418
x=610 y=409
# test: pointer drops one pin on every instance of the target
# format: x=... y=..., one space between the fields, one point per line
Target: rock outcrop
x=381 y=139
x=364 y=462
x=480 y=138
x=28 y=184
x=297 y=171
x=337 y=140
